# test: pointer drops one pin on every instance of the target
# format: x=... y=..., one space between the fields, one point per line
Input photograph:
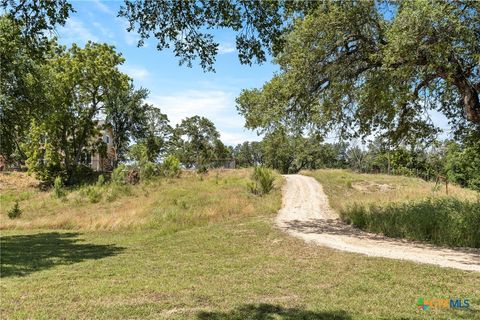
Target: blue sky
x=178 y=91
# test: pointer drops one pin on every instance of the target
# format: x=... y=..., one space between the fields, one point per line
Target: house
x=95 y=160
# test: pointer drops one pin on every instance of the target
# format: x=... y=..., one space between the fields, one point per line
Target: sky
x=179 y=91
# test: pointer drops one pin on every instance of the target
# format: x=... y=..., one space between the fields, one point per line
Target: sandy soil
x=306 y=214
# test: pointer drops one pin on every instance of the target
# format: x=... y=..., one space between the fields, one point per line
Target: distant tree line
x=457 y=161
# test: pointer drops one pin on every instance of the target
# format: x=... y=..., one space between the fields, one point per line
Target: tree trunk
x=471 y=101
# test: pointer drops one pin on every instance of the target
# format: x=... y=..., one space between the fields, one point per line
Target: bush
x=444 y=221
x=82 y=174
x=119 y=175
x=202 y=169
x=15 y=212
x=100 y=180
x=263 y=180
x=92 y=193
x=171 y=167
x=148 y=170
x=58 y=188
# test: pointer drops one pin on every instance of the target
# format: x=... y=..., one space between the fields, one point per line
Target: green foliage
x=42 y=16
x=79 y=81
x=138 y=153
x=15 y=212
x=119 y=175
x=58 y=188
x=262 y=181
x=248 y=154
x=157 y=133
x=292 y=152
x=25 y=46
x=100 y=180
x=171 y=167
x=195 y=141
x=202 y=169
x=127 y=114
x=443 y=221
x=261 y=24
x=348 y=66
x=92 y=193
x=82 y=174
x=42 y=156
x=462 y=164
x=148 y=170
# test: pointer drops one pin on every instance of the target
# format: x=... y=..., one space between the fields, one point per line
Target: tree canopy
x=347 y=66
x=362 y=67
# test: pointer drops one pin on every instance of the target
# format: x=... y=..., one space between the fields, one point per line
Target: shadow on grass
x=269 y=311
x=24 y=254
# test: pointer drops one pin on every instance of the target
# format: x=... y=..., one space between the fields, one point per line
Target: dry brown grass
x=192 y=199
x=17 y=181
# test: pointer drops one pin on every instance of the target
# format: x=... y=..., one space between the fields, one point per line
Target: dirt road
x=306 y=214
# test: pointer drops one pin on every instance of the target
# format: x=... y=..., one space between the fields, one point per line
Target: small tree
x=263 y=179
x=171 y=167
x=58 y=189
x=15 y=212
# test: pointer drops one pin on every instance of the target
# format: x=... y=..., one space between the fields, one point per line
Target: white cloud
x=135 y=72
x=75 y=31
x=234 y=138
x=214 y=104
x=226 y=48
x=179 y=105
x=103 y=30
x=102 y=7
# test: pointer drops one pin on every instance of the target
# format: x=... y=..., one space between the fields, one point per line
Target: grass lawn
x=233 y=265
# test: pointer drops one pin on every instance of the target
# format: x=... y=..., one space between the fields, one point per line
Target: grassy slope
x=235 y=267
x=345 y=188
x=173 y=203
x=404 y=207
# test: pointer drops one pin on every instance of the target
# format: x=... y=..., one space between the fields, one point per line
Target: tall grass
x=440 y=221
x=403 y=207
x=169 y=204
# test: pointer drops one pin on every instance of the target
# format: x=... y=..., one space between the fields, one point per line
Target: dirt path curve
x=306 y=214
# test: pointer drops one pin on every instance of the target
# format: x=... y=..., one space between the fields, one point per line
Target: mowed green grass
x=236 y=266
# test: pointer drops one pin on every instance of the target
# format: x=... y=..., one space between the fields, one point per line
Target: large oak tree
x=363 y=66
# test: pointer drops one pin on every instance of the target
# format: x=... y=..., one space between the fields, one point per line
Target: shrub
x=263 y=180
x=92 y=193
x=15 y=212
x=119 y=174
x=148 y=170
x=82 y=174
x=202 y=169
x=100 y=180
x=58 y=188
x=171 y=167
